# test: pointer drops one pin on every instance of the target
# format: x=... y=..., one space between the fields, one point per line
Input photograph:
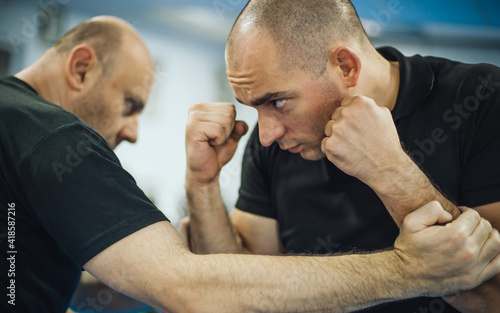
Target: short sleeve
x=255 y=190
x=480 y=179
x=80 y=194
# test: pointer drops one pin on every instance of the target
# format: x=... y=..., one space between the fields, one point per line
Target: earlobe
x=349 y=63
x=80 y=62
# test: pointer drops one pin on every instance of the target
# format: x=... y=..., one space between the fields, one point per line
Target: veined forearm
x=210 y=228
x=404 y=188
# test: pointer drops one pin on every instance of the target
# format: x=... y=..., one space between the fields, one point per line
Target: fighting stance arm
x=363 y=142
x=212 y=136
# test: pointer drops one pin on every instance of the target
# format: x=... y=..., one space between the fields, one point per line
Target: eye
x=132 y=106
x=279 y=103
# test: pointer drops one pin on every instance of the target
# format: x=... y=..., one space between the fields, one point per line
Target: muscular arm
x=405 y=189
x=212 y=136
x=374 y=155
x=361 y=140
x=154 y=266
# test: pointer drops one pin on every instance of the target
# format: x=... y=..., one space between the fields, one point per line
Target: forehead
x=133 y=70
x=253 y=63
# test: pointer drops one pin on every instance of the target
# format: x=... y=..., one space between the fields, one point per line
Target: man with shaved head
x=67 y=204
x=397 y=132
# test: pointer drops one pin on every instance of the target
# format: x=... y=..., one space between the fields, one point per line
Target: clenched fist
x=456 y=255
x=361 y=139
x=212 y=136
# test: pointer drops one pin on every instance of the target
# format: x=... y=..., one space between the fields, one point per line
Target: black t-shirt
x=447 y=116
x=64 y=198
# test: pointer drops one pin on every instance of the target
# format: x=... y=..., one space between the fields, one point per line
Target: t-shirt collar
x=416 y=81
x=21 y=83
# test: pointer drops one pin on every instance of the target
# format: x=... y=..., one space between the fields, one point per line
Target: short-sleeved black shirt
x=64 y=197
x=447 y=115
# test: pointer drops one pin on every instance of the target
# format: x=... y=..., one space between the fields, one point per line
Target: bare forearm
x=296 y=284
x=155 y=266
x=210 y=229
x=403 y=188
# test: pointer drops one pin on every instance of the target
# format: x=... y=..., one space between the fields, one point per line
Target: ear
x=349 y=64
x=81 y=61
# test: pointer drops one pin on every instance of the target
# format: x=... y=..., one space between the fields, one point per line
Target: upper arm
x=147 y=265
x=259 y=234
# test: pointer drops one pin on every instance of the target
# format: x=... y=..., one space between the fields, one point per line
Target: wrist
x=201 y=194
x=199 y=181
x=405 y=276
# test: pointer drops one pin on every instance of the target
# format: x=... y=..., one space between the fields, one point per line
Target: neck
x=45 y=79
x=380 y=81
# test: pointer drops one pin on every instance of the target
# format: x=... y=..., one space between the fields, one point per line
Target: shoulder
x=463 y=77
x=27 y=120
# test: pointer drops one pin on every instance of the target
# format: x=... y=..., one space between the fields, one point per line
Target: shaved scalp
x=103 y=36
x=303 y=30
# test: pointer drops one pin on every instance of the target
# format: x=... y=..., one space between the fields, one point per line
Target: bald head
x=105 y=34
x=303 y=31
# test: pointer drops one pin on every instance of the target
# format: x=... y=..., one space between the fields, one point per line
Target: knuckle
x=345 y=113
x=357 y=99
x=407 y=222
x=194 y=114
x=496 y=237
x=228 y=119
x=474 y=214
x=337 y=129
x=460 y=235
x=219 y=129
x=486 y=224
x=469 y=254
x=196 y=107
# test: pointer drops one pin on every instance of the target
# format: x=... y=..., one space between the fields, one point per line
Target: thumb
x=430 y=214
x=239 y=130
x=184 y=230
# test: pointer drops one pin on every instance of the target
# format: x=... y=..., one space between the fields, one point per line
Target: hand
x=448 y=258
x=212 y=136
x=361 y=139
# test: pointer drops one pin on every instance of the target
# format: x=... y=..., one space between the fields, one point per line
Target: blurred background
x=186 y=39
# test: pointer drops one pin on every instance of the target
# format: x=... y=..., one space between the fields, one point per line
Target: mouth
x=295 y=149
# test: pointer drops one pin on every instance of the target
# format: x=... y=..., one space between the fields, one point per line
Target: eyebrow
x=269 y=97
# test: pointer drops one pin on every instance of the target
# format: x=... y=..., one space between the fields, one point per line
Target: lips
x=295 y=149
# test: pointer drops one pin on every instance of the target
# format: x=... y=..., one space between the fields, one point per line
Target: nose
x=270 y=128
x=129 y=130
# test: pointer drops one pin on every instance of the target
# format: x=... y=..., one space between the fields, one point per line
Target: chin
x=312 y=154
